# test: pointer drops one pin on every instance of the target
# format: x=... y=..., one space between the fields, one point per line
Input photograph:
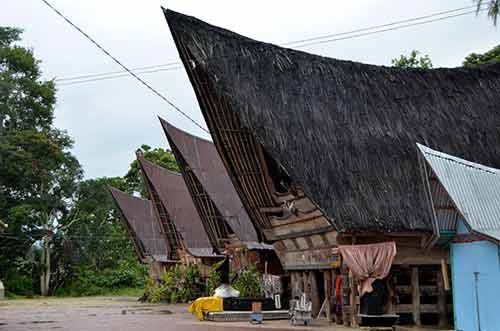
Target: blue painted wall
x=482 y=257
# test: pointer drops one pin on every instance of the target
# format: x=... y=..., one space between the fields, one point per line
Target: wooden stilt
x=415 y=296
x=293 y=284
x=441 y=300
x=314 y=293
x=327 y=275
x=305 y=283
x=391 y=309
x=353 y=297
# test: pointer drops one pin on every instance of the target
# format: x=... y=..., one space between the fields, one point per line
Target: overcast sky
x=109 y=119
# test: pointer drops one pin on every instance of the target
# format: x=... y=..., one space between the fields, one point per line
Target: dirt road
x=116 y=313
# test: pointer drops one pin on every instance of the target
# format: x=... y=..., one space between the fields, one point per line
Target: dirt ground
x=119 y=313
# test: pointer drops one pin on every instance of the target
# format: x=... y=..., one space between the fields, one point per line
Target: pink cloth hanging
x=369 y=262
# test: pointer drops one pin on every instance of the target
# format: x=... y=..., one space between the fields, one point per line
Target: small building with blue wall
x=465 y=198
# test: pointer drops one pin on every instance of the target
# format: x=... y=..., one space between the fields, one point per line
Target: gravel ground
x=118 y=313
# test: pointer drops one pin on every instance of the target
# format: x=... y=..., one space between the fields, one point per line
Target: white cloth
x=226 y=291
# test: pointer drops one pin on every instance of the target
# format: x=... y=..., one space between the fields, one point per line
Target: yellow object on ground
x=205 y=305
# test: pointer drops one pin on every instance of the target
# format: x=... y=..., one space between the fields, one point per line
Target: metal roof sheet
x=174 y=195
x=474 y=189
x=204 y=160
x=257 y=246
x=139 y=215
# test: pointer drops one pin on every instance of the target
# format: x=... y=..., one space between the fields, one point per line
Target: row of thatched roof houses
x=321 y=158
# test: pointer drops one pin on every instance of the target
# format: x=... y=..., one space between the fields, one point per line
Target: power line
x=118 y=72
x=388 y=29
x=122 y=74
x=418 y=18
x=123 y=66
x=299 y=43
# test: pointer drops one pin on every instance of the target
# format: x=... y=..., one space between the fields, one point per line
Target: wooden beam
x=444 y=272
x=415 y=296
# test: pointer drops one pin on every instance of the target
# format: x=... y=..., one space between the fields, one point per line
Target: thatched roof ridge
x=175 y=197
x=204 y=160
x=346 y=131
x=139 y=217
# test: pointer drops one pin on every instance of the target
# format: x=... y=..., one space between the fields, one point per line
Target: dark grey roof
x=345 y=131
x=141 y=220
x=204 y=160
x=174 y=195
x=473 y=188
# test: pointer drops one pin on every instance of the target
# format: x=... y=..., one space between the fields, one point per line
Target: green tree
x=159 y=156
x=414 y=60
x=39 y=173
x=474 y=59
x=103 y=256
x=493 y=8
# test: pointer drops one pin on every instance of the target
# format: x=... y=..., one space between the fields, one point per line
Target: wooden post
x=300 y=282
x=415 y=296
x=444 y=271
x=441 y=300
x=391 y=289
x=293 y=284
x=314 y=294
x=354 y=304
x=327 y=275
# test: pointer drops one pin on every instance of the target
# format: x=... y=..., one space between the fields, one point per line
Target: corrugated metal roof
x=203 y=252
x=204 y=160
x=473 y=188
x=175 y=197
x=139 y=215
x=257 y=246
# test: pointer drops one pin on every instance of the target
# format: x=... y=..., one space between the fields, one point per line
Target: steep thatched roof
x=174 y=196
x=204 y=160
x=346 y=131
x=139 y=217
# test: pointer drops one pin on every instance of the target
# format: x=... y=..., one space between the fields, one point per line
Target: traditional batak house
x=217 y=202
x=322 y=153
x=179 y=219
x=465 y=200
x=138 y=216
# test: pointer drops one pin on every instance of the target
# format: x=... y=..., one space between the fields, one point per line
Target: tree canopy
x=159 y=156
x=475 y=59
x=413 y=60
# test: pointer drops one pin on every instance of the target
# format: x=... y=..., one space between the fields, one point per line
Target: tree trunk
x=45 y=267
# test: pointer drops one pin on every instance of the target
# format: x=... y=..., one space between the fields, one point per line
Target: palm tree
x=493 y=8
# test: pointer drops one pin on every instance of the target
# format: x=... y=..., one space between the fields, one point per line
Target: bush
x=18 y=285
x=213 y=281
x=88 y=281
x=179 y=284
x=249 y=283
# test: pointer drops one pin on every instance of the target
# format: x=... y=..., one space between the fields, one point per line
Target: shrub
x=249 y=283
x=88 y=281
x=178 y=284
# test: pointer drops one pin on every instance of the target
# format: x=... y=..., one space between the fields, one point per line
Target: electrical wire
x=140 y=80
x=122 y=74
x=378 y=26
x=297 y=43
x=388 y=29
x=118 y=72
